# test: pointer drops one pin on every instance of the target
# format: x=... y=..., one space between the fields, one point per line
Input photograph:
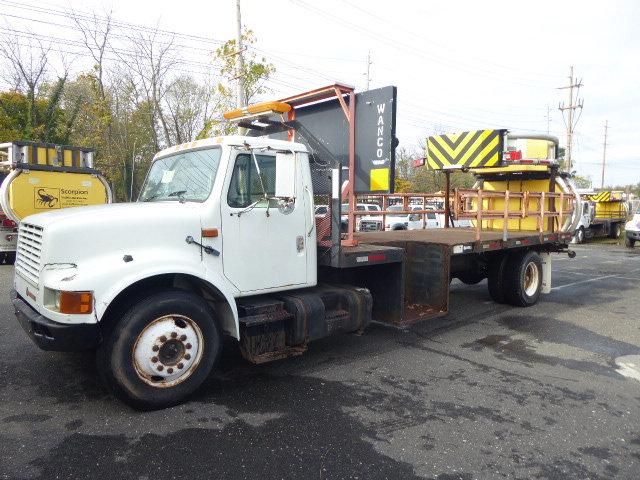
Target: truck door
x=263 y=247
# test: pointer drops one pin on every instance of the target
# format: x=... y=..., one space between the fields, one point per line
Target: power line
x=574 y=84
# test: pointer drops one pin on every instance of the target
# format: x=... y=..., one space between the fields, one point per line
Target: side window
x=245 y=188
x=431 y=216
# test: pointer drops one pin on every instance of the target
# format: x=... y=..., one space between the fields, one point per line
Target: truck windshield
x=184 y=177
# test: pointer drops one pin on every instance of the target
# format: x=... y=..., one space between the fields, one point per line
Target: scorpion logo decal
x=45 y=199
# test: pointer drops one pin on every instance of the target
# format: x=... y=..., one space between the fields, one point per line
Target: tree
x=256 y=71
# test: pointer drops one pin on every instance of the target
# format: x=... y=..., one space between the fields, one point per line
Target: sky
x=458 y=65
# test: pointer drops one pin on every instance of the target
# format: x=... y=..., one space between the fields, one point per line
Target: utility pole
x=571 y=119
x=604 y=151
x=240 y=100
x=548 y=119
x=368 y=74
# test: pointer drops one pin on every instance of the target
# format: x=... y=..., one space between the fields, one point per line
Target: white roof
x=234 y=140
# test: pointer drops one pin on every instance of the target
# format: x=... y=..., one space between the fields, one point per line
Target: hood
x=633 y=224
x=72 y=234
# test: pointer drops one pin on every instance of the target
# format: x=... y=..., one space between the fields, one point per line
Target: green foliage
x=254 y=73
x=581 y=181
x=38 y=118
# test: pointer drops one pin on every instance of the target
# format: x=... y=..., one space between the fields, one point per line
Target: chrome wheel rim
x=531 y=279
x=168 y=351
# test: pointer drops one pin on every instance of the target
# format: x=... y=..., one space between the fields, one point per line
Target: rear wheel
x=161 y=350
x=523 y=279
x=496 y=278
x=615 y=231
x=629 y=242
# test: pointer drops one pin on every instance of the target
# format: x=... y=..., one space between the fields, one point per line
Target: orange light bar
x=76 y=302
x=258 y=108
x=210 y=232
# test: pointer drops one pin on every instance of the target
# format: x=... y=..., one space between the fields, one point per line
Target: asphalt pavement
x=490 y=391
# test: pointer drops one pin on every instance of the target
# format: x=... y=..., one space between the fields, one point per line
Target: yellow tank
x=44 y=177
x=525 y=178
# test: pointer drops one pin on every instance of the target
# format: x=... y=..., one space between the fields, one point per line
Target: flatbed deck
x=462 y=240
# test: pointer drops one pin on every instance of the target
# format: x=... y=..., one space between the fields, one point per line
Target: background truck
x=40 y=177
x=224 y=240
x=632 y=227
x=602 y=214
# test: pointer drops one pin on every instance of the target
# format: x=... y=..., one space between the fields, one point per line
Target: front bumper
x=634 y=235
x=50 y=335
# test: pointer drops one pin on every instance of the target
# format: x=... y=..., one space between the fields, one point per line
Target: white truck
x=632 y=228
x=223 y=240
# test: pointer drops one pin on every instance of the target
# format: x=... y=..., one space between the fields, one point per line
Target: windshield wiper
x=178 y=193
x=151 y=197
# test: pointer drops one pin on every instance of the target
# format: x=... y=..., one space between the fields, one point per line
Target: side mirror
x=285 y=175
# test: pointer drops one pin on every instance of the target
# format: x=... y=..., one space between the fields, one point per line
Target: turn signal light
x=76 y=302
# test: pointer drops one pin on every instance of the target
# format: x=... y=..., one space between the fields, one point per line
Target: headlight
x=68 y=302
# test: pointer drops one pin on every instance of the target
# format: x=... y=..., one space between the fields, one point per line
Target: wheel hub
x=171 y=352
x=168 y=350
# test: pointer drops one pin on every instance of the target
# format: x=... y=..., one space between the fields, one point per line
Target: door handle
x=207 y=248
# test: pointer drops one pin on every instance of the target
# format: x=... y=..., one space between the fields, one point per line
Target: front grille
x=28 y=253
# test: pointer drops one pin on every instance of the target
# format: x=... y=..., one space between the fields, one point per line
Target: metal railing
x=551 y=210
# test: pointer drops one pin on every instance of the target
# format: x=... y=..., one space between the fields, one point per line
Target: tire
x=629 y=242
x=471 y=278
x=615 y=231
x=523 y=279
x=580 y=235
x=161 y=350
x=496 y=278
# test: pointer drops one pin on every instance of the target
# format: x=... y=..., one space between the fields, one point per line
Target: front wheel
x=629 y=242
x=161 y=350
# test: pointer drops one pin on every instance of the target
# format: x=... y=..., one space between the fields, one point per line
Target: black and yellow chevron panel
x=474 y=149
x=606 y=196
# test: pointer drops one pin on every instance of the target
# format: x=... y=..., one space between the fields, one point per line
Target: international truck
x=39 y=177
x=223 y=241
x=603 y=214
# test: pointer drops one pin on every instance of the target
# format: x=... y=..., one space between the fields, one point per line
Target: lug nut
x=169 y=370
x=174 y=334
x=187 y=346
x=155 y=348
x=187 y=357
x=160 y=368
x=183 y=337
x=163 y=339
x=180 y=365
x=154 y=359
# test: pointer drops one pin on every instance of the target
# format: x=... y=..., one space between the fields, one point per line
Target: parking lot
x=488 y=392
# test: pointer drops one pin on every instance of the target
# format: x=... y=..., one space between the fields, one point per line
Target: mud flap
x=545 y=257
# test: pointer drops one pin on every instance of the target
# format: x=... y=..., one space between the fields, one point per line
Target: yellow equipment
x=44 y=177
